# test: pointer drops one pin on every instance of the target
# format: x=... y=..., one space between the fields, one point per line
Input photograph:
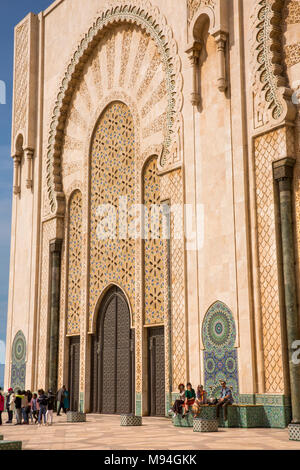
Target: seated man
x=225 y=400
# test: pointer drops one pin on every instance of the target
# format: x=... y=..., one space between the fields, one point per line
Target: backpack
x=43 y=400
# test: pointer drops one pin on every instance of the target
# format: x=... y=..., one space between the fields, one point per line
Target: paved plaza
x=105 y=433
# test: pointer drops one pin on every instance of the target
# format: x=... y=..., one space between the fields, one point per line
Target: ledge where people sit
x=239 y=416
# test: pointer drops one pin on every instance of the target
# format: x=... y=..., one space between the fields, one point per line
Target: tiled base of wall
x=243 y=416
x=186 y=422
x=277 y=409
x=138 y=404
x=81 y=402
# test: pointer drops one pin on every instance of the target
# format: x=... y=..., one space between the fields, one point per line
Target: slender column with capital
x=55 y=267
x=283 y=174
x=194 y=52
x=29 y=158
x=221 y=39
x=17 y=163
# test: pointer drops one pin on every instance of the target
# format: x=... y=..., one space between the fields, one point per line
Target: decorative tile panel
x=154 y=249
x=268 y=148
x=172 y=189
x=112 y=176
x=18 y=367
x=75 y=264
x=220 y=356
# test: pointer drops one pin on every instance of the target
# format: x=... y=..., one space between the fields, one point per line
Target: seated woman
x=190 y=396
x=201 y=399
x=177 y=407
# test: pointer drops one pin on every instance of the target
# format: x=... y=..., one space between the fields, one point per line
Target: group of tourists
x=35 y=408
x=189 y=398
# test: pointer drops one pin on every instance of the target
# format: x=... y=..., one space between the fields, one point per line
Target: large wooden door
x=113 y=357
x=156 y=371
x=74 y=360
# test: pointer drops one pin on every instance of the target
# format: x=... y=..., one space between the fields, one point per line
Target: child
x=35 y=407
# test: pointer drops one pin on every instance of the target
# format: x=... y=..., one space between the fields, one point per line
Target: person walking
x=24 y=404
x=42 y=401
x=60 y=399
x=66 y=401
x=50 y=408
x=10 y=405
x=18 y=407
x=35 y=407
x=2 y=402
x=28 y=407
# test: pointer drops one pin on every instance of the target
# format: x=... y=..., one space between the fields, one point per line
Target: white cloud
x=2 y=352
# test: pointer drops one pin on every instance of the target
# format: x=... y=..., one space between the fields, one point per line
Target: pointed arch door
x=113 y=357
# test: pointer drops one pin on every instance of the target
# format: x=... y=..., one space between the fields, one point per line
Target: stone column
x=55 y=268
x=29 y=160
x=194 y=52
x=221 y=39
x=283 y=174
x=17 y=163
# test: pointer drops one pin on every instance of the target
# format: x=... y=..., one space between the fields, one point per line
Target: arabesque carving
x=271 y=96
x=144 y=15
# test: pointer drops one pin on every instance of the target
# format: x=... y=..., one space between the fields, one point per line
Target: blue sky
x=11 y=12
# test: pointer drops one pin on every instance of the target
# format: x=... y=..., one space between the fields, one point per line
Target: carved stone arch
x=271 y=94
x=19 y=144
x=215 y=10
x=203 y=14
x=100 y=300
x=148 y=18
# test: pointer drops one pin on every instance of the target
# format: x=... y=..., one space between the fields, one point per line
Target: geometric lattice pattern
x=293 y=12
x=131 y=420
x=75 y=264
x=154 y=248
x=18 y=368
x=269 y=148
x=21 y=77
x=220 y=356
x=112 y=177
x=206 y=425
x=172 y=188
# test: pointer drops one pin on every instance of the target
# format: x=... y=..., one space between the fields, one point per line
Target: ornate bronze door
x=156 y=371
x=113 y=381
x=74 y=360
